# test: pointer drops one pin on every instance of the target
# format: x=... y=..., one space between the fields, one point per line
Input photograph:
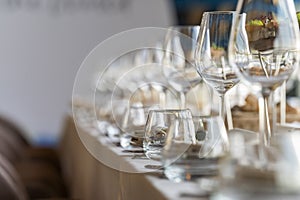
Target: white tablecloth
x=87 y=178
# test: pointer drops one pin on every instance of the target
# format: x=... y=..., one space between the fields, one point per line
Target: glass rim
x=220 y=12
x=169 y=110
x=141 y=106
x=206 y=116
x=184 y=26
x=177 y=28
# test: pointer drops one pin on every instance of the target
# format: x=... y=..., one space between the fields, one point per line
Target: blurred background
x=190 y=11
x=43 y=43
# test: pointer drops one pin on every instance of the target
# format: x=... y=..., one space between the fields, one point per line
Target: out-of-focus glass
x=211 y=135
x=244 y=175
x=179 y=61
x=133 y=126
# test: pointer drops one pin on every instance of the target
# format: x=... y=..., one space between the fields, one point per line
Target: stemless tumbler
x=193 y=148
x=157 y=127
x=133 y=126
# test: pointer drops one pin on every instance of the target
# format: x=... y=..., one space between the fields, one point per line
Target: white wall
x=42 y=44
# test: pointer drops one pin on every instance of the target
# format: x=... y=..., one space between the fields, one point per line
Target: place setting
x=151 y=100
x=155 y=110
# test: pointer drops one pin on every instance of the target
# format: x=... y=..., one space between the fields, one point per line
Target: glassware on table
x=243 y=177
x=179 y=61
x=264 y=51
x=139 y=79
x=211 y=134
x=288 y=162
x=212 y=54
x=156 y=129
x=241 y=173
x=133 y=126
x=193 y=147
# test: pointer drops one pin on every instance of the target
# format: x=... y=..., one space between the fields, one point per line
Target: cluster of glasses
x=258 y=45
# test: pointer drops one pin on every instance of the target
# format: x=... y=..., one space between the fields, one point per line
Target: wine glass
x=212 y=54
x=264 y=51
x=179 y=61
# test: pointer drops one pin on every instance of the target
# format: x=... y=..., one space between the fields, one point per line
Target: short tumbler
x=157 y=127
x=190 y=152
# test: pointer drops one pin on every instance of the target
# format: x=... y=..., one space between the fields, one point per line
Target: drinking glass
x=212 y=54
x=179 y=61
x=243 y=177
x=133 y=126
x=264 y=51
x=193 y=147
x=156 y=129
x=210 y=133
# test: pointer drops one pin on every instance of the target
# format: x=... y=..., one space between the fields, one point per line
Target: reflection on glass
x=157 y=128
x=212 y=53
x=178 y=61
x=270 y=56
x=193 y=148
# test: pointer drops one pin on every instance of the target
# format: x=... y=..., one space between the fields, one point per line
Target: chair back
x=10 y=183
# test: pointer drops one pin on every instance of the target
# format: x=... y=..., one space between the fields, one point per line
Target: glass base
x=153 y=152
x=187 y=170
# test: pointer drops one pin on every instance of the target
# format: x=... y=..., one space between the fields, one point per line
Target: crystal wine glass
x=178 y=60
x=212 y=53
x=264 y=51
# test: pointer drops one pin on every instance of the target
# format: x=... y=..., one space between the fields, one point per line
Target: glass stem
x=228 y=113
x=163 y=99
x=264 y=120
x=222 y=106
x=283 y=103
x=182 y=100
x=274 y=110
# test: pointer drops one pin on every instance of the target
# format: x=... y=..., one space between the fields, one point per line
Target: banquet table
x=88 y=178
x=94 y=167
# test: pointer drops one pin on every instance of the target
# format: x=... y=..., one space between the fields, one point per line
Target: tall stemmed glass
x=212 y=53
x=271 y=34
x=178 y=60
